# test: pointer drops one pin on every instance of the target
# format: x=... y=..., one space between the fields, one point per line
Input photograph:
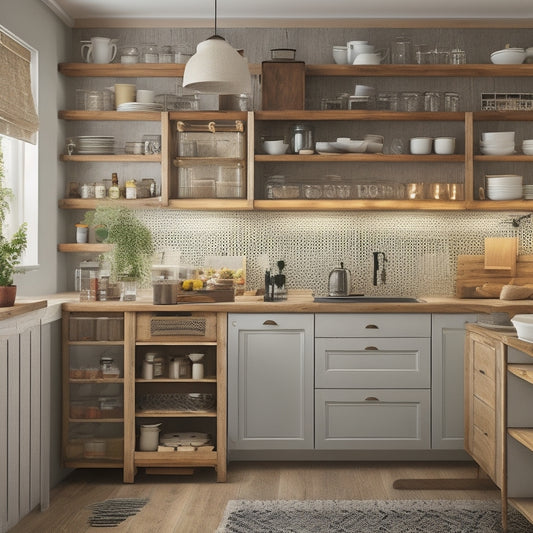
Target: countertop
x=305 y=304
x=21 y=307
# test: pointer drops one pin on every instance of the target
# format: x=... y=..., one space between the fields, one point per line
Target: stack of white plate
x=95 y=144
x=139 y=106
x=527 y=146
x=504 y=186
x=497 y=142
x=528 y=192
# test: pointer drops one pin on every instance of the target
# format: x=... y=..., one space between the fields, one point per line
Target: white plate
x=350 y=146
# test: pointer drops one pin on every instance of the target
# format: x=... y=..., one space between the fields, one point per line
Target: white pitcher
x=99 y=50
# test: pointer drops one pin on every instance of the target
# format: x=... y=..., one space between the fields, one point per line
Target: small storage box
x=193 y=326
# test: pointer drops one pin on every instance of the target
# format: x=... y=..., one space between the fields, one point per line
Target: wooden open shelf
x=97 y=248
x=524 y=372
x=524 y=505
x=175 y=414
x=523 y=435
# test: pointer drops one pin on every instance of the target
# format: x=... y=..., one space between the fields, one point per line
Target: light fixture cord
x=216 y=17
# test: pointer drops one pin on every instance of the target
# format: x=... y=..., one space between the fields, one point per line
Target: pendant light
x=217 y=68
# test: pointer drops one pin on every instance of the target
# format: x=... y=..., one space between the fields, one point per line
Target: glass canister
x=301 y=138
x=452 y=102
x=410 y=101
x=402 y=50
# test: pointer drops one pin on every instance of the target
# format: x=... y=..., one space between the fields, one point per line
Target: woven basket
x=176 y=401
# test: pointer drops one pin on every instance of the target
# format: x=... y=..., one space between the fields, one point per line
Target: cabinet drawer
x=485 y=360
x=372 y=419
x=483 y=452
x=381 y=363
x=484 y=388
x=484 y=418
x=373 y=325
x=176 y=327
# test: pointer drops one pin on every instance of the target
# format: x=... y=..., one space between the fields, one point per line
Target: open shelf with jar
x=180 y=392
x=93 y=390
x=348 y=180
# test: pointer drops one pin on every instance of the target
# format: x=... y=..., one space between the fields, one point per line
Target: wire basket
x=506 y=101
x=193 y=401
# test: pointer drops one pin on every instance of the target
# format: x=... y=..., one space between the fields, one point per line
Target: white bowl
x=524 y=326
x=340 y=55
x=497 y=150
x=509 y=56
x=353 y=146
x=421 y=145
x=527 y=151
x=498 y=136
x=277 y=147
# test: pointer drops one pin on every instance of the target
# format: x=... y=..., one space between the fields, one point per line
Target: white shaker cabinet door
x=448 y=342
x=270 y=381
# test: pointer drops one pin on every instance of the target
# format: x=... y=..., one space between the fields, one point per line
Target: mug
x=350 y=48
x=100 y=50
x=124 y=92
x=444 y=145
x=355 y=48
x=145 y=96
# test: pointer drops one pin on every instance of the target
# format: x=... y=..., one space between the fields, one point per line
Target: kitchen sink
x=367 y=299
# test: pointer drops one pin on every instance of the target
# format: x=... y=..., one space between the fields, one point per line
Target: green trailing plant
x=131 y=254
x=11 y=249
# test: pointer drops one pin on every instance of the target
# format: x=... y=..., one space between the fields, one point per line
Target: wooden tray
x=207 y=296
x=475 y=281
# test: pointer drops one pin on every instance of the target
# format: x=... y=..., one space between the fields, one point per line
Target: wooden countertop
x=305 y=304
x=507 y=337
x=21 y=307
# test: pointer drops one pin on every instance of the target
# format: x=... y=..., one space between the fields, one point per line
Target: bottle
x=114 y=190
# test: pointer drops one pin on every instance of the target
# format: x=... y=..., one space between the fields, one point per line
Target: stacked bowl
x=504 y=186
x=508 y=56
x=497 y=142
x=527 y=146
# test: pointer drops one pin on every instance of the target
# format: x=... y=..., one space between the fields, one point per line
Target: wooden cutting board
x=501 y=253
x=475 y=281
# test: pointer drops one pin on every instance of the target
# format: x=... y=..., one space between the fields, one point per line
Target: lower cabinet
x=447 y=369
x=270 y=381
x=389 y=353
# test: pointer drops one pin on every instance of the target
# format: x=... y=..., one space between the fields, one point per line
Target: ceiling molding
x=299 y=23
x=60 y=12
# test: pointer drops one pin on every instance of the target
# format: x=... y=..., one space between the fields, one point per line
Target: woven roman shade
x=18 y=118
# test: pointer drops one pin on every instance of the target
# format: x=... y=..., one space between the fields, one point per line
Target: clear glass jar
x=166 y=54
x=301 y=138
x=87 y=190
x=387 y=102
x=410 y=101
x=452 y=102
x=432 y=101
x=150 y=54
x=99 y=190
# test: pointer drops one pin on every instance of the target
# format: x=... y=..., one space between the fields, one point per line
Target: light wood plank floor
x=195 y=504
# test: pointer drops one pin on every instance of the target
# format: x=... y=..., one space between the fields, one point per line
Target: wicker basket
x=176 y=401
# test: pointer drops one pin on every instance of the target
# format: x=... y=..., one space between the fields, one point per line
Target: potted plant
x=130 y=258
x=11 y=248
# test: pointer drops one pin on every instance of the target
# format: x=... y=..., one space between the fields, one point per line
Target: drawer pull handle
x=270 y=323
x=371 y=399
x=371 y=348
x=371 y=326
x=482 y=372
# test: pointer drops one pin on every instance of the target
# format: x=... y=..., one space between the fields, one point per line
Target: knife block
x=283 y=85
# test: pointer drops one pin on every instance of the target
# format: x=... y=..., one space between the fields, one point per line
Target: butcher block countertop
x=305 y=304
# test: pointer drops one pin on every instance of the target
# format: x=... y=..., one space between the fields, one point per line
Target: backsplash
x=421 y=248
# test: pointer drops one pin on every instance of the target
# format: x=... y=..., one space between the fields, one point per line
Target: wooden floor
x=195 y=504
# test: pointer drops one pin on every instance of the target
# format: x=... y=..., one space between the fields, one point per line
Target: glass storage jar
x=301 y=138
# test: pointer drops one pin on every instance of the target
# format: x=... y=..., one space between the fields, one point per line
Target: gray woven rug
x=112 y=512
x=368 y=516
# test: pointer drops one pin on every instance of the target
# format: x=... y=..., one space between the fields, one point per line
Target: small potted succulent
x=11 y=248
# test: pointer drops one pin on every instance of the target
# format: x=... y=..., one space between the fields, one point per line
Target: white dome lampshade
x=217 y=68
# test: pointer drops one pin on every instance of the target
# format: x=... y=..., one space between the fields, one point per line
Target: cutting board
x=475 y=281
x=501 y=253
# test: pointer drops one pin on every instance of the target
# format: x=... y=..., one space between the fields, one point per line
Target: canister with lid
x=301 y=138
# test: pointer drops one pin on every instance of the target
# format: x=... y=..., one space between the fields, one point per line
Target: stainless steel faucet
x=379 y=277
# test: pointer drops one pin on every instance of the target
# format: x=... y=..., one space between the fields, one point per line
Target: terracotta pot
x=7 y=295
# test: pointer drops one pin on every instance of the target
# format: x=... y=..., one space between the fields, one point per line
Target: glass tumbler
x=402 y=52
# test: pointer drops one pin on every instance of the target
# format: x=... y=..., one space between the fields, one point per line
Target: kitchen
x=421 y=246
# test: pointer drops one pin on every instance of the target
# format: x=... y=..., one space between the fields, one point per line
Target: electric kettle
x=339 y=283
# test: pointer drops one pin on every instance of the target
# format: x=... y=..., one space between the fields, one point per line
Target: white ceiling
x=73 y=10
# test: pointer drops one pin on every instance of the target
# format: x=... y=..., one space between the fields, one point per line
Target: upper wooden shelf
x=363 y=157
x=171 y=70
x=344 y=114
x=524 y=372
x=151 y=116
x=137 y=70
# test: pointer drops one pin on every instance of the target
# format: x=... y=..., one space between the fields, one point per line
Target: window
x=18 y=137
x=21 y=175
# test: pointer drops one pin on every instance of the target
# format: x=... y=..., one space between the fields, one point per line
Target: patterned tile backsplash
x=421 y=248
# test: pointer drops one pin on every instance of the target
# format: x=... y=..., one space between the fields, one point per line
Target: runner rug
x=368 y=516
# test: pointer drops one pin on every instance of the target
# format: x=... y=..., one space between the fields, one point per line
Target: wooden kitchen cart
x=94 y=439
x=498 y=423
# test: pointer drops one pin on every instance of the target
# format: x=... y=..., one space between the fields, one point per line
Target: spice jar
x=87 y=190
x=131 y=189
x=82 y=231
x=99 y=190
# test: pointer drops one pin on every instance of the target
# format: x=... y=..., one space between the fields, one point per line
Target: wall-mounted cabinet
x=321 y=181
